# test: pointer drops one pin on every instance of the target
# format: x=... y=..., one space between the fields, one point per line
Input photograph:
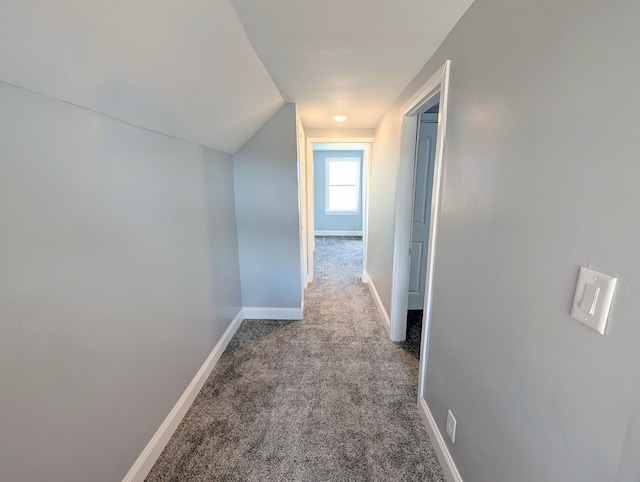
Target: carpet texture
x=328 y=398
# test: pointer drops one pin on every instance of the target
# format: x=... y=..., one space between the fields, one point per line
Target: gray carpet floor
x=327 y=398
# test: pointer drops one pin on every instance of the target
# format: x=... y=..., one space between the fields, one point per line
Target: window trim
x=341 y=212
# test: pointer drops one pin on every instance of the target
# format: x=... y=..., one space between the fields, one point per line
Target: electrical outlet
x=451 y=426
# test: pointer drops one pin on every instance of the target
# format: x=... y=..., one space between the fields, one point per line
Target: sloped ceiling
x=213 y=71
x=346 y=56
x=179 y=67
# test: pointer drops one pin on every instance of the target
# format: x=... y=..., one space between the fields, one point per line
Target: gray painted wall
x=322 y=221
x=118 y=275
x=535 y=185
x=340 y=132
x=382 y=195
x=266 y=186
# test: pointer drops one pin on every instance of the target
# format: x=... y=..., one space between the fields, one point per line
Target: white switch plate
x=592 y=301
x=451 y=426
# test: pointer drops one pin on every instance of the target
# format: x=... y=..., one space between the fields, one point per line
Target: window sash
x=342 y=182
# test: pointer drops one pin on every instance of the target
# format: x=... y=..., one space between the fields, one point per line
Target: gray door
x=422 y=211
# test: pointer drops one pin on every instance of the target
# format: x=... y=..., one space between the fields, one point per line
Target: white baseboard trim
x=261 y=313
x=152 y=451
x=377 y=299
x=337 y=233
x=442 y=451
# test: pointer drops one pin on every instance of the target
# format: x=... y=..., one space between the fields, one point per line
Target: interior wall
x=340 y=133
x=324 y=222
x=118 y=275
x=535 y=186
x=267 y=210
x=382 y=194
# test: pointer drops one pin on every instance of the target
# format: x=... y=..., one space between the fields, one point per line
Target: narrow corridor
x=326 y=398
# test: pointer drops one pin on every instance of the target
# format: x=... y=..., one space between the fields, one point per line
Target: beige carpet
x=328 y=398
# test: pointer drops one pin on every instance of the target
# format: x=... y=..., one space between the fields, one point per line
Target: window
x=342 y=185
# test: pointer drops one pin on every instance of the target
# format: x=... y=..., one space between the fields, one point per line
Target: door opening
x=337 y=178
x=337 y=187
x=420 y=224
x=434 y=91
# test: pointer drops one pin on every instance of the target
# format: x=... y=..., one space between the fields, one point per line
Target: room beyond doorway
x=421 y=220
x=421 y=211
x=337 y=188
x=336 y=175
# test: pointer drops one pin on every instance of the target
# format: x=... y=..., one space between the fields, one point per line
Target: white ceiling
x=346 y=56
x=213 y=71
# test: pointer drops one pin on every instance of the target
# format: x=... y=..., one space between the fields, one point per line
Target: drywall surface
x=537 y=182
x=333 y=222
x=340 y=133
x=118 y=275
x=187 y=72
x=266 y=186
x=382 y=195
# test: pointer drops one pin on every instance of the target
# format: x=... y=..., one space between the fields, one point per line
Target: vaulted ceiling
x=213 y=71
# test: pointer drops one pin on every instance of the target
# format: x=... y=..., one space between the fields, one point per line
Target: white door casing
x=302 y=201
x=422 y=100
x=338 y=143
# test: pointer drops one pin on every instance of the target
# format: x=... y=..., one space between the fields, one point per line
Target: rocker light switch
x=592 y=301
x=589 y=298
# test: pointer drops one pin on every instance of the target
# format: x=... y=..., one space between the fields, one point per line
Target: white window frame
x=336 y=212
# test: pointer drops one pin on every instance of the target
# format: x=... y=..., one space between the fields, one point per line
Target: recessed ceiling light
x=339 y=118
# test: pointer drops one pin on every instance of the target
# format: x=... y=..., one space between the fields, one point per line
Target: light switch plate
x=592 y=301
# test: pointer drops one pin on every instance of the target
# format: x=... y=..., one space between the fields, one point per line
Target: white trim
x=428 y=90
x=267 y=313
x=376 y=298
x=346 y=143
x=338 y=233
x=336 y=135
x=437 y=84
x=152 y=451
x=441 y=78
x=310 y=214
x=327 y=186
x=437 y=440
x=341 y=140
x=366 y=182
x=302 y=199
x=402 y=229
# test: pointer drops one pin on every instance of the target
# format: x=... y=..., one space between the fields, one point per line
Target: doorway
x=434 y=91
x=421 y=214
x=332 y=166
x=337 y=188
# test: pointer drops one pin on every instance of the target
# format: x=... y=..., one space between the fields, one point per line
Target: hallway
x=325 y=398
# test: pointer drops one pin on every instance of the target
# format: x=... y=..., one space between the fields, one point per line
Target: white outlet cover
x=592 y=301
x=451 y=426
